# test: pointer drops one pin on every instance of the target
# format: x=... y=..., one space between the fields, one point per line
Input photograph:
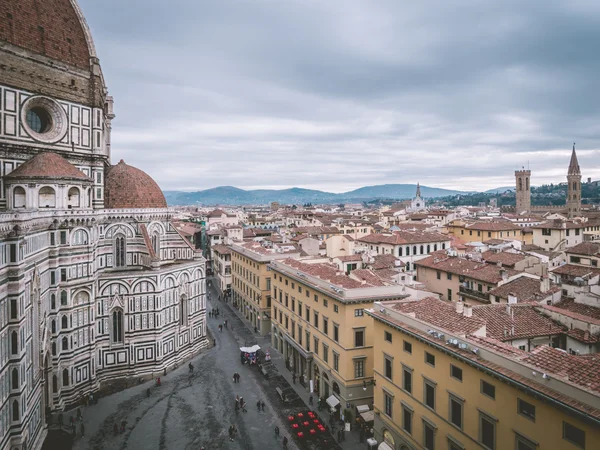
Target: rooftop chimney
x=459 y=307
x=544 y=284
x=468 y=310
x=503 y=274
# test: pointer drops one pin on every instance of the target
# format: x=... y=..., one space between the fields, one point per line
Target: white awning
x=368 y=416
x=252 y=349
x=333 y=401
x=362 y=408
x=384 y=446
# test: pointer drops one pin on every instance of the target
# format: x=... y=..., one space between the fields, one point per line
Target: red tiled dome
x=53 y=28
x=48 y=165
x=128 y=187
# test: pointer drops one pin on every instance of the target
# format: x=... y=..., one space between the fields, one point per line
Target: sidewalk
x=352 y=438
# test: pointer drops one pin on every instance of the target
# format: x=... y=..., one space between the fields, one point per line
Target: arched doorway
x=336 y=388
x=317 y=377
x=388 y=438
x=325 y=385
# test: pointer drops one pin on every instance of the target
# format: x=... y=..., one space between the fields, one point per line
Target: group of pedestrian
x=236 y=377
x=214 y=313
x=116 y=427
x=240 y=404
x=260 y=406
x=232 y=432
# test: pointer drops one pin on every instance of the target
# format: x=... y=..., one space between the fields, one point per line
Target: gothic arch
x=115 y=287
x=127 y=230
x=138 y=283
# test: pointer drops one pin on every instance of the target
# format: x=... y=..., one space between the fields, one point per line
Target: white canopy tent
x=252 y=349
x=333 y=401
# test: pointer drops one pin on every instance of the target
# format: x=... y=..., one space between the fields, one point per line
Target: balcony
x=474 y=294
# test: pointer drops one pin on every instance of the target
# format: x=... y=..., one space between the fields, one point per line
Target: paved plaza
x=191 y=411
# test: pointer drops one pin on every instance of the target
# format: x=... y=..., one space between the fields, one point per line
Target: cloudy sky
x=335 y=95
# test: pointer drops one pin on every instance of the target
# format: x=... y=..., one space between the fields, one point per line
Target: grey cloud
x=340 y=94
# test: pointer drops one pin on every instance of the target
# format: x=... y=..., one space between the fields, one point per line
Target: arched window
x=19 y=197
x=428 y=248
x=183 y=312
x=80 y=237
x=65 y=343
x=47 y=197
x=407 y=251
x=15 y=378
x=73 y=198
x=156 y=244
x=421 y=248
x=64 y=323
x=14 y=343
x=527 y=183
x=54 y=349
x=15 y=410
x=54 y=383
x=120 y=251
x=52 y=301
x=443 y=246
x=435 y=247
x=117 y=325
x=399 y=251
x=63 y=298
x=65 y=377
x=520 y=184
x=53 y=326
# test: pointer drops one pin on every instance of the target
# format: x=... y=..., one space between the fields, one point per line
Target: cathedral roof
x=47 y=165
x=127 y=187
x=574 y=164
x=52 y=28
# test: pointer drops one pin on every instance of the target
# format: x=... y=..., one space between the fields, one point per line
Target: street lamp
x=368 y=383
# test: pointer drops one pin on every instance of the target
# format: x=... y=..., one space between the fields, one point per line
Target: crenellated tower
x=523 y=190
x=574 y=186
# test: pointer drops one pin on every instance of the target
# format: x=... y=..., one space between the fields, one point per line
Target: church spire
x=574 y=164
x=418 y=190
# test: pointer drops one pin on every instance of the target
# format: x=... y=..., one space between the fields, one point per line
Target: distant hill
x=230 y=195
x=500 y=190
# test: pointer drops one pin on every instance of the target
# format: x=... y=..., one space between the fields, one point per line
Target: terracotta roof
x=585 y=248
x=524 y=288
x=572 y=270
x=439 y=313
x=404 y=237
x=587 y=311
x=386 y=261
x=584 y=336
x=581 y=371
x=349 y=258
x=489 y=273
x=523 y=321
x=492 y=226
x=128 y=187
x=330 y=273
x=316 y=230
x=221 y=249
x=367 y=276
x=48 y=165
x=51 y=28
x=506 y=258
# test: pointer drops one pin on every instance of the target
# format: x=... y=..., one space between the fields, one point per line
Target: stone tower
x=523 y=192
x=574 y=186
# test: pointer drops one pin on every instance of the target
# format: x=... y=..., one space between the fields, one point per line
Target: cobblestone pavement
x=194 y=411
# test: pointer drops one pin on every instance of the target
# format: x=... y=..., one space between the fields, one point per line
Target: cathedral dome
x=47 y=166
x=52 y=28
x=127 y=187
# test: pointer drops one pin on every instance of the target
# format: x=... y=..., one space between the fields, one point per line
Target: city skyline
x=375 y=94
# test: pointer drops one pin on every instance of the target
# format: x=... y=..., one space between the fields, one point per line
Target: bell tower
x=523 y=192
x=574 y=186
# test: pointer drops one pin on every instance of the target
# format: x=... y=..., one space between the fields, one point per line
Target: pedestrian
x=73 y=430
x=262 y=405
x=231 y=432
x=123 y=425
x=258 y=405
x=225 y=323
x=91 y=399
x=82 y=429
x=294 y=378
x=310 y=400
x=238 y=377
x=237 y=399
x=165 y=372
x=339 y=435
x=79 y=415
x=243 y=404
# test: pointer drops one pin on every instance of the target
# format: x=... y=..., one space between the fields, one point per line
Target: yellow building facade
x=431 y=394
x=251 y=281
x=320 y=328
